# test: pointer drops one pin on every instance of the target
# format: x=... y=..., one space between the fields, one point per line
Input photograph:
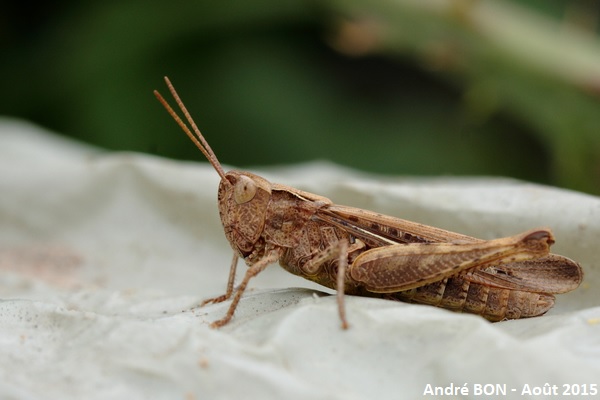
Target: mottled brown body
x=492 y=303
x=363 y=253
x=469 y=291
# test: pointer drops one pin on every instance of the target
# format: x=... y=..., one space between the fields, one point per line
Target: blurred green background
x=402 y=87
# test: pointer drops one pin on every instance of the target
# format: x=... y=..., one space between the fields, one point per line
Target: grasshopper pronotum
x=364 y=253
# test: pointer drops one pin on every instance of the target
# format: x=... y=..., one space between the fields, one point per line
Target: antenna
x=202 y=144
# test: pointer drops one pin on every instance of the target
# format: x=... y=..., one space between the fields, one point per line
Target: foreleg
x=252 y=271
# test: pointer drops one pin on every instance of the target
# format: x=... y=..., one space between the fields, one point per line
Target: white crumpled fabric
x=105 y=256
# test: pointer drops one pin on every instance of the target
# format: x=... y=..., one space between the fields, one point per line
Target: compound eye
x=244 y=190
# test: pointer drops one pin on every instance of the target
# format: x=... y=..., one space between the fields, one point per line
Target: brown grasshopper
x=363 y=253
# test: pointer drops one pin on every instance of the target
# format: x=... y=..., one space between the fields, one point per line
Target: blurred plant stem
x=504 y=57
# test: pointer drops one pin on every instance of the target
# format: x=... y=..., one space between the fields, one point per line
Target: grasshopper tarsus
x=251 y=272
x=219 y=323
x=363 y=253
x=215 y=300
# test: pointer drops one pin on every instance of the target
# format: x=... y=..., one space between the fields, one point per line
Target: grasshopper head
x=243 y=197
x=243 y=200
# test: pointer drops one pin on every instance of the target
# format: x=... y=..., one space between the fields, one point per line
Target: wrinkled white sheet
x=103 y=258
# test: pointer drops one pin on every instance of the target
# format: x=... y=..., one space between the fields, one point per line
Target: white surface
x=104 y=256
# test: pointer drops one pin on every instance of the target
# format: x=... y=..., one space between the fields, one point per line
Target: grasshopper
x=360 y=252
